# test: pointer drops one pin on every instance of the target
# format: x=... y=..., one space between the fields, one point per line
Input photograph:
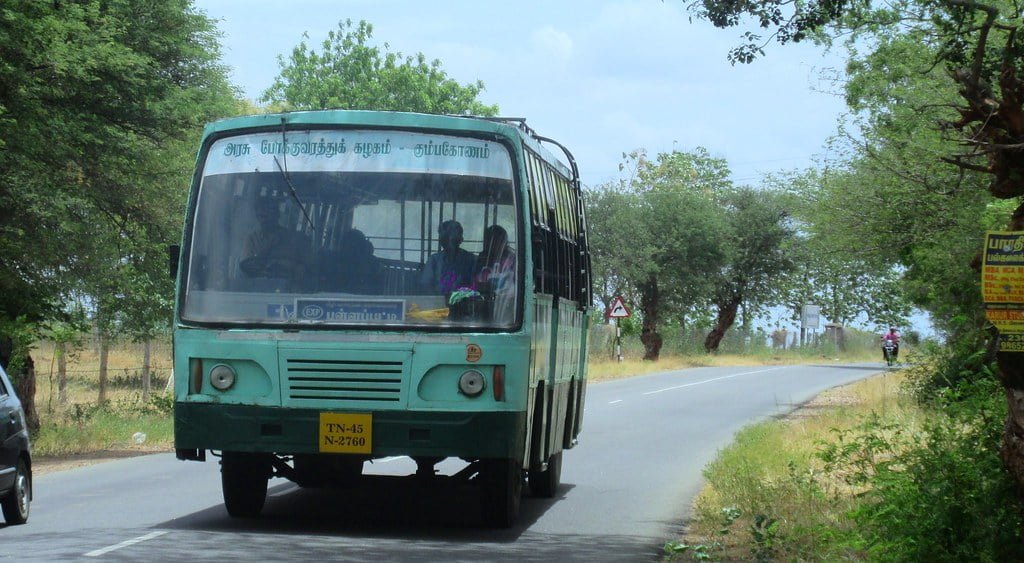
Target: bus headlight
x=222 y=377
x=471 y=383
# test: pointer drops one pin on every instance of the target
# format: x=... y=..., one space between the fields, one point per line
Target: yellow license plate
x=345 y=433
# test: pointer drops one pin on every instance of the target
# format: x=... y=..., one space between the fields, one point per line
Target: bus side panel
x=565 y=369
x=575 y=376
x=571 y=382
x=540 y=372
x=580 y=384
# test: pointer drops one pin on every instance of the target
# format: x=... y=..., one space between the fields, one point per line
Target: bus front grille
x=343 y=381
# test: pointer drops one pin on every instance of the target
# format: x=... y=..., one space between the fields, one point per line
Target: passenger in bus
x=495 y=276
x=272 y=250
x=359 y=271
x=497 y=259
x=452 y=267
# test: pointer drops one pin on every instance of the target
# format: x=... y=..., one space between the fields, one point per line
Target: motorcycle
x=889 y=351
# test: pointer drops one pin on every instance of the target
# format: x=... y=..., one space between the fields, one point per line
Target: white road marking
x=125 y=543
x=709 y=380
x=615 y=401
x=390 y=459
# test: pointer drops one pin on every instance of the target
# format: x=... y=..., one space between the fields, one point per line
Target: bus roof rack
x=521 y=123
x=518 y=121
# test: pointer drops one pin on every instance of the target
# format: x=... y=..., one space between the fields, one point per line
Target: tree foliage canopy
x=350 y=73
x=100 y=104
x=977 y=110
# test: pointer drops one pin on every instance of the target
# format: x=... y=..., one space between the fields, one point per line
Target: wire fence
x=78 y=380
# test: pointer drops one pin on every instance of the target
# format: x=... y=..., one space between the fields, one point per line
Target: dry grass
x=79 y=425
x=124 y=369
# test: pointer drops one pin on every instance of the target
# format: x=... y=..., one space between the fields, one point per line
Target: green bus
x=353 y=285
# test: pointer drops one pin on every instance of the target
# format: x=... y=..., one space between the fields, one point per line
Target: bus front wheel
x=244 y=479
x=502 y=481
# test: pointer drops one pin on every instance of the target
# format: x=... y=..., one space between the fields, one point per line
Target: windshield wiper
x=287 y=177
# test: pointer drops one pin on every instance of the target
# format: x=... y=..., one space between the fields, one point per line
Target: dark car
x=15 y=456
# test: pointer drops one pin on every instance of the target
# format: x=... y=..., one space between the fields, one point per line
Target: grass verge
x=865 y=472
x=767 y=493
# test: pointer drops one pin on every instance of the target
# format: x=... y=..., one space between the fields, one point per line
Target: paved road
x=626 y=490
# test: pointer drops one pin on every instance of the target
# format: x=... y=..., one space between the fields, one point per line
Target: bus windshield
x=349 y=228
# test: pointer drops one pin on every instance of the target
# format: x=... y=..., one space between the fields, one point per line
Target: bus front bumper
x=470 y=435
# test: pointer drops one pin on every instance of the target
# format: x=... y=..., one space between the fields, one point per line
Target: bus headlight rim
x=222 y=377
x=471 y=383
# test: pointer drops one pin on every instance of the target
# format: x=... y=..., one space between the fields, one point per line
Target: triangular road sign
x=618 y=310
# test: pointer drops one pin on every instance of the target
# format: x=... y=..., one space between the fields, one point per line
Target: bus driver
x=271 y=250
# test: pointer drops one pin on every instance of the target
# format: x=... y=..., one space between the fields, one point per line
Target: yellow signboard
x=1002 y=272
x=1002 y=287
x=1011 y=342
x=1006 y=320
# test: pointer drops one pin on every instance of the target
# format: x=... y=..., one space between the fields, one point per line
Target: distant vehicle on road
x=15 y=456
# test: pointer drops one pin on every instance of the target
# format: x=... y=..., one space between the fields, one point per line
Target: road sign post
x=618 y=310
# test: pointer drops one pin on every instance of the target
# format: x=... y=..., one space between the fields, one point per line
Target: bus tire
x=244 y=479
x=502 y=481
x=545 y=483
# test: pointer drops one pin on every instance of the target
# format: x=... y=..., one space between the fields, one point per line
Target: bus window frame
x=514 y=148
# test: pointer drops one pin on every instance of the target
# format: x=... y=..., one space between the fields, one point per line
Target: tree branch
x=979 y=50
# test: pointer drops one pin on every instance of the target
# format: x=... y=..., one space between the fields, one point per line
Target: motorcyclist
x=894 y=337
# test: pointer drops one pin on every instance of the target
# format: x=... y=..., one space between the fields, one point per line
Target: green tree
x=349 y=73
x=845 y=264
x=758 y=256
x=978 y=44
x=658 y=233
x=609 y=225
x=101 y=104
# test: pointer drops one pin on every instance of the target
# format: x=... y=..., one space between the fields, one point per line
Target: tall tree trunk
x=25 y=387
x=650 y=302
x=62 y=373
x=1011 y=368
x=724 y=320
x=21 y=369
x=146 y=348
x=104 y=350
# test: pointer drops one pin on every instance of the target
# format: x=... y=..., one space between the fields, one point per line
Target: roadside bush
x=935 y=369
x=766 y=501
x=935 y=494
x=889 y=480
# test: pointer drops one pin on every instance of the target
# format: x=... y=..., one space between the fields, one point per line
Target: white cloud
x=552 y=45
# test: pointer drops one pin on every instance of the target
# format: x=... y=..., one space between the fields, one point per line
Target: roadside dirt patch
x=52 y=464
x=830 y=399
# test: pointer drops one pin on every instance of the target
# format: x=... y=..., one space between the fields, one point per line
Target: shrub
x=935 y=368
x=937 y=494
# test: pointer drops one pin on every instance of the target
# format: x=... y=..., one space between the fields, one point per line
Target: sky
x=602 y=77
